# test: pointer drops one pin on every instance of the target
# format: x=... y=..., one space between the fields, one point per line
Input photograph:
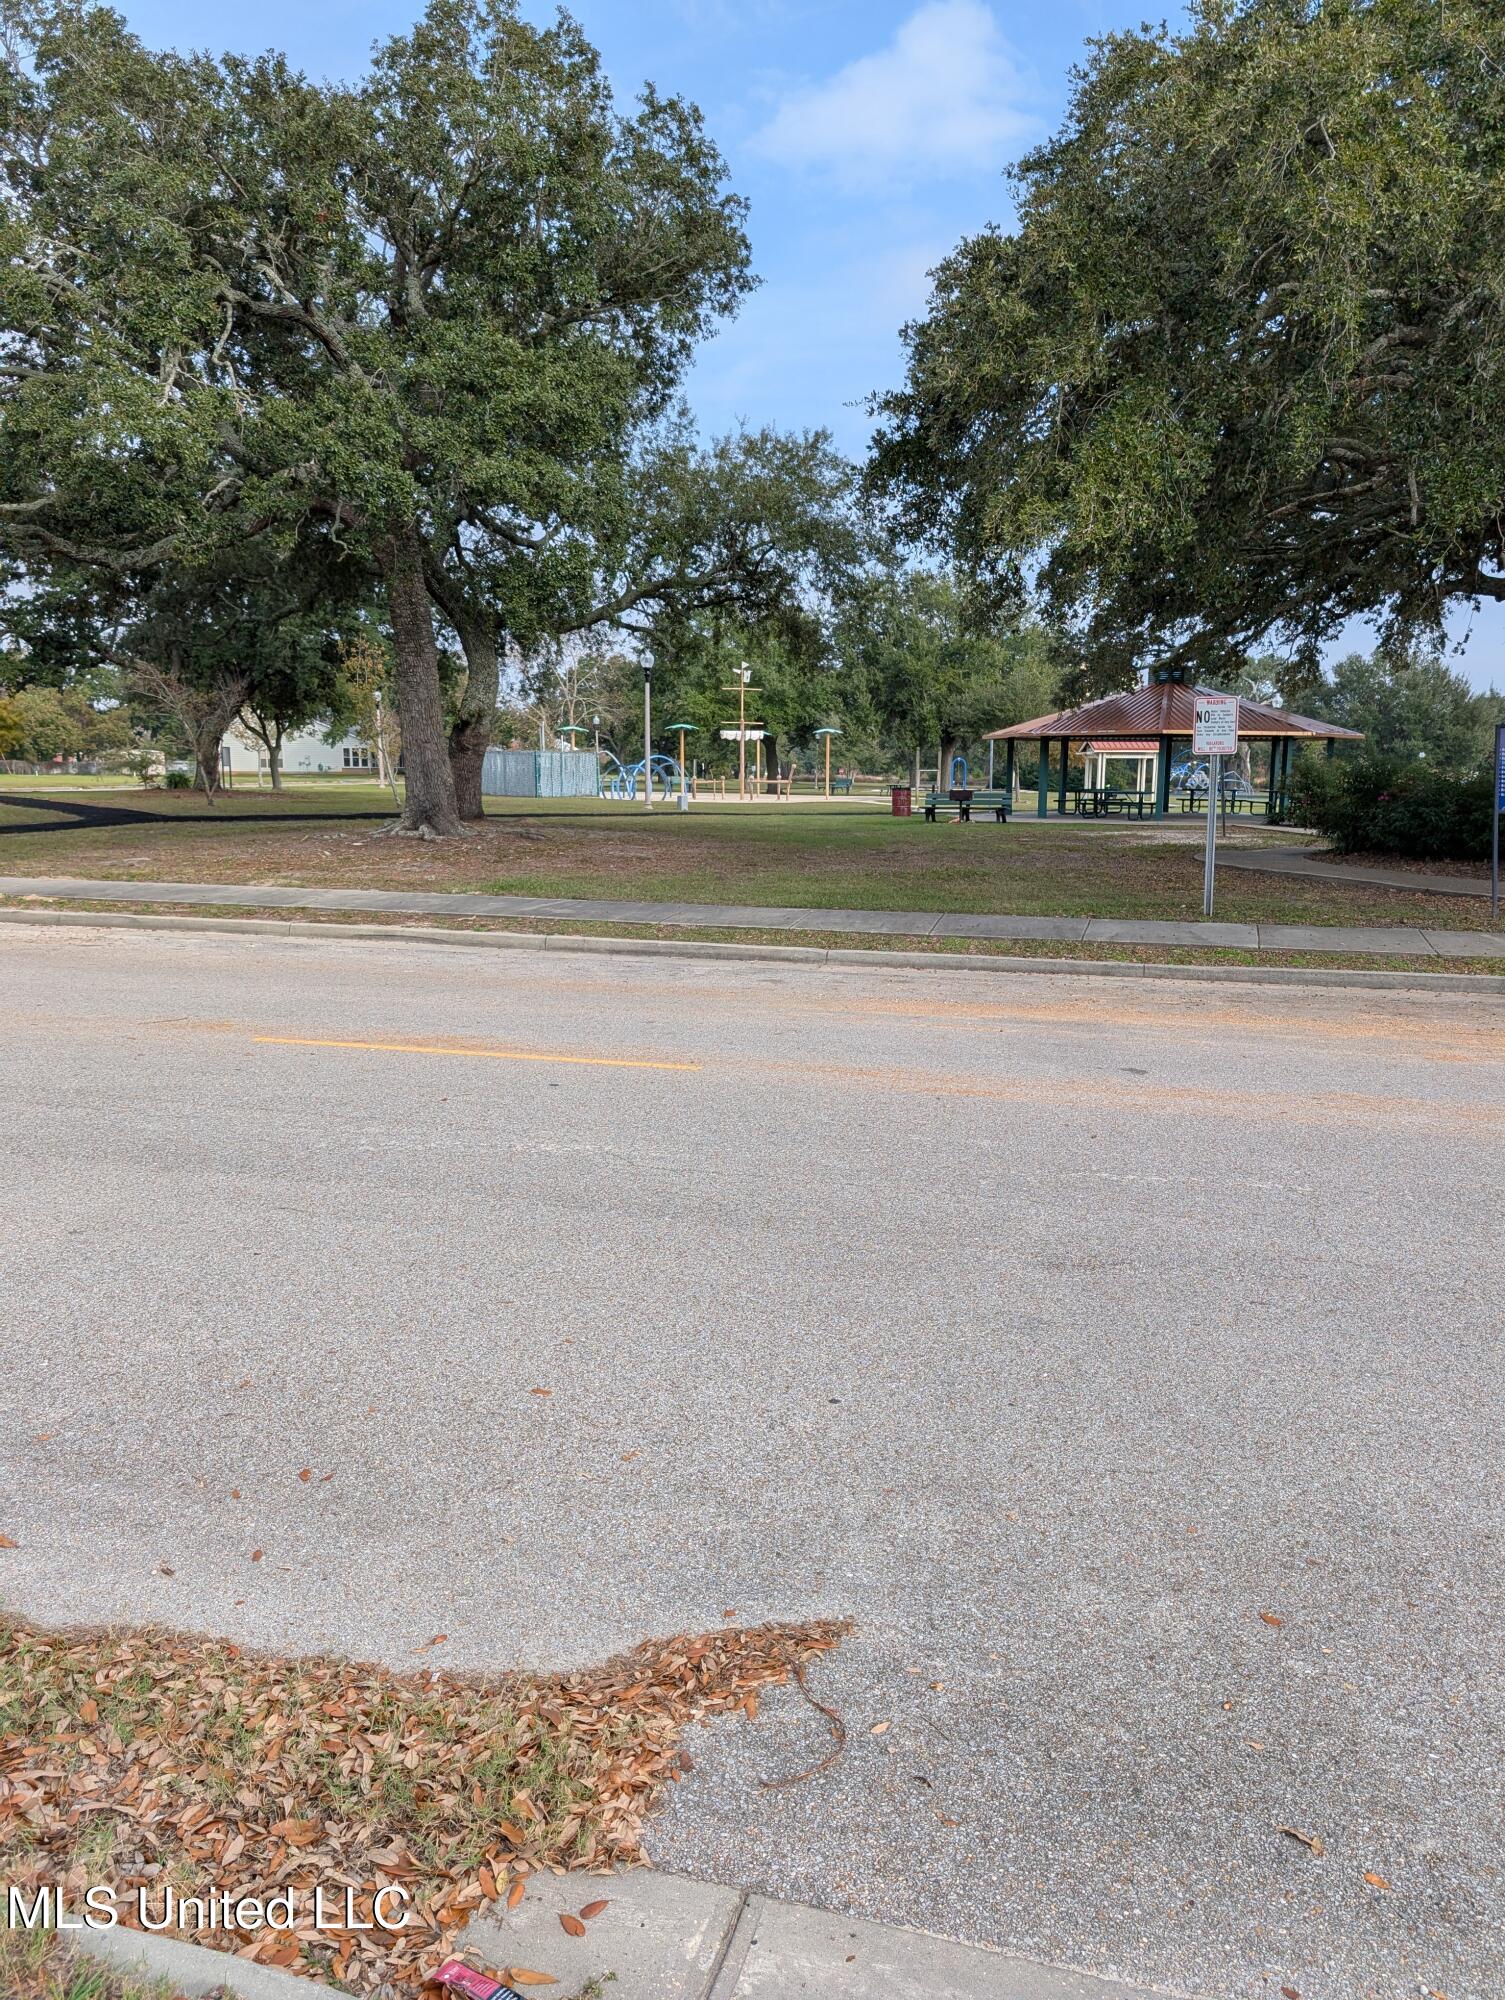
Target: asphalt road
x=1055 y=1330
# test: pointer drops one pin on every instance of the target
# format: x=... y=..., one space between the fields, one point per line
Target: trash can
x=903 y=801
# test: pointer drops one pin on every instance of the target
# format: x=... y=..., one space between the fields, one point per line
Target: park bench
x=841 y=785
x=964 y=803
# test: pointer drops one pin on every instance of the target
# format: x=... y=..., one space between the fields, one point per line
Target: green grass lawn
x=799 y=856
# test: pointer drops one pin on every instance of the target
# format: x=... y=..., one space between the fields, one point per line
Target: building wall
x=306 y=751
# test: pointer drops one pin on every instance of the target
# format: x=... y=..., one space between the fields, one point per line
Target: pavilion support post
x=1042 y=800
x=1008 y=767
x=1061 y=781
x=1332 y=748
x=1163 y=779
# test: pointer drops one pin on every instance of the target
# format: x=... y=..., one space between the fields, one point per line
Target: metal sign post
x=647 y=736
x=1494 y=838
x=1214 y=735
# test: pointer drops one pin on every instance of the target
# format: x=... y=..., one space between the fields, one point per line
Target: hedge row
x=1375 y=805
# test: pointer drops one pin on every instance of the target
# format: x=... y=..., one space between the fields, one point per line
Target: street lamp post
x=647 y=736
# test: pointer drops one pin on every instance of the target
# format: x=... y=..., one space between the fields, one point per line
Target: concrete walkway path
x=1399 y=941
x=1308 y=863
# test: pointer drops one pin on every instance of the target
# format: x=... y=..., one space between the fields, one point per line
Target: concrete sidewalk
x=1308 y=863
x=1396 y=942
x=667 y=1937
x=662 y=1937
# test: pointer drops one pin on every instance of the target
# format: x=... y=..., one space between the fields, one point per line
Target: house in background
x=303 y=751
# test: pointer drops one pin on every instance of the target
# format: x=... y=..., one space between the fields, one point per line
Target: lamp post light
x=828 y=734
x=647 y=736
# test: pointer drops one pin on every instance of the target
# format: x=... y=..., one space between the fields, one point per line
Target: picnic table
x=1104 y=801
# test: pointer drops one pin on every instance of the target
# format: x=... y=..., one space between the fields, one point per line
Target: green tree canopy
x=927 y=680
x=234 y=302
x=1239 y=367
x=1411 y=706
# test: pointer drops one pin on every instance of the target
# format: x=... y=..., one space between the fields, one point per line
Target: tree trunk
x=430 y=808
x=274 y=759
x=207 y=738
x=470 y=738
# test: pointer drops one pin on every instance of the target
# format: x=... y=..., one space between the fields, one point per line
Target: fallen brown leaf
x=166 y=1569
x=1271 y=1619
x=1289 y=1993
x=255 y=1777
x=521 y=1975
x=1312 y=1840
x=306 y=1474
x=7 y=1543
x=571 y=1924
x=256 y=1555
x=589 y=1910
x=540 y=1392
x=879 y=1727
x=1375 y=1881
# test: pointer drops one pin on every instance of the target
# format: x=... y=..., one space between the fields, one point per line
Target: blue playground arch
x=626 y=778
x=955 y=783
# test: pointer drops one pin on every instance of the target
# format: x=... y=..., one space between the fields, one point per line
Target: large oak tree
x=423 y=312
x=1239 y=367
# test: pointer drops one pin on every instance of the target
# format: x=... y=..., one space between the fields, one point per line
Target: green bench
x=965 y=803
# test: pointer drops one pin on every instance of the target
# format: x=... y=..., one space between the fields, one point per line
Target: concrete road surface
x=1126 y=1363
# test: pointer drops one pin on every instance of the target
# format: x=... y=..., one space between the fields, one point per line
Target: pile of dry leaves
x=147 y=1760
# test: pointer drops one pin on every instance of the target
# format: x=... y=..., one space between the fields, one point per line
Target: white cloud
x=944 y=98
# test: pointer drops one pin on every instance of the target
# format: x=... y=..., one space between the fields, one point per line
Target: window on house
x=359 y=760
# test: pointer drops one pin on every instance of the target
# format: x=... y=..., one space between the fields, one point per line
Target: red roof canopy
x=1164 y=708
x=1126 y=746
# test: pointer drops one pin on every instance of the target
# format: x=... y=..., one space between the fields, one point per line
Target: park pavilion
x=1149 y=725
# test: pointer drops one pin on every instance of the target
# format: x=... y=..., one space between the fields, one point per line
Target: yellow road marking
x=485 y=1055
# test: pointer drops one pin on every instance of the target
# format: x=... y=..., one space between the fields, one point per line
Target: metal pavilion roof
x=1164 y=708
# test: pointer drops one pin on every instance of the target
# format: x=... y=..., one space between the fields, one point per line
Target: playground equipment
x=626 y=778
x=955 y=783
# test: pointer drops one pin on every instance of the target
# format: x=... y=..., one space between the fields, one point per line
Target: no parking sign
x=1214 y=735
x=1214 y=726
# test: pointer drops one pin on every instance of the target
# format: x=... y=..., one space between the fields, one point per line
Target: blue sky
x=867 y=138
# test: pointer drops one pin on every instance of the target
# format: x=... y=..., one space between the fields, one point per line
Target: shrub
x=1376 y=805
x=178 y=781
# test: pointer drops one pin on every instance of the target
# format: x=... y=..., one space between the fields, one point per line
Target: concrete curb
x=192 y=1969
x=670 y=1937
x=667 y=1937
x=1483 y=983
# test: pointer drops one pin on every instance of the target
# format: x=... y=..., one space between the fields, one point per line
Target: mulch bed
x=143 y=1759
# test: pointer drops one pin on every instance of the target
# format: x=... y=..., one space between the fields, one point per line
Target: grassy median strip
x=38 y=1965
x=152 y=1763
x=973 y=948
x=811 y=857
